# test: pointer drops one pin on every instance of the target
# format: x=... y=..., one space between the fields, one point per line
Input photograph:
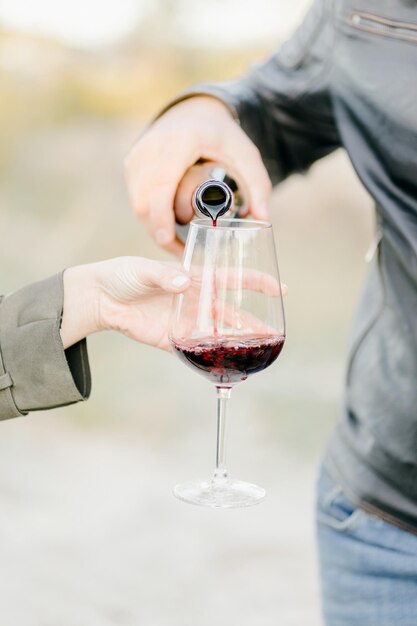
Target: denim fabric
x=368 y=567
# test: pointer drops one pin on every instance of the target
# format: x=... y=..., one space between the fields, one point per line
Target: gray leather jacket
x=348 y=77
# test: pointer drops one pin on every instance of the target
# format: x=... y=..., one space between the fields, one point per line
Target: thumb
x=171 y=279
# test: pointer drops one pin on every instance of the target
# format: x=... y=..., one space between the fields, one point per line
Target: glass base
x=220 y=493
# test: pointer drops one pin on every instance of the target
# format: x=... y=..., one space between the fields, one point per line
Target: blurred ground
x=90 y=534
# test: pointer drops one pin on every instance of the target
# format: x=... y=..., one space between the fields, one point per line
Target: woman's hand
x=132 y=295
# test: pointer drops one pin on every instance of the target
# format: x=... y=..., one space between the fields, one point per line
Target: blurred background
x=90 y=533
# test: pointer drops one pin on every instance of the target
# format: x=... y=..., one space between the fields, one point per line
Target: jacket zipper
x=383 y=25
x=374 y=245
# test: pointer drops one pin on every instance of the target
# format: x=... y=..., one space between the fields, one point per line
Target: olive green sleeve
x=35 y=371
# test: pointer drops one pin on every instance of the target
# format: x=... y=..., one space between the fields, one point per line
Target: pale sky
x=78 y=22
x=89 y=23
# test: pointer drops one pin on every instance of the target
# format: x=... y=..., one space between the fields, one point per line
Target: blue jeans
x=368 y=567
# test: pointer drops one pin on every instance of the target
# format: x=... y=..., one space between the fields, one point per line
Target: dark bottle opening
x=213 y=196
x=213 y=199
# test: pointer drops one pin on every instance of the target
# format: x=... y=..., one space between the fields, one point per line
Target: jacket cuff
x=220 y=91
x=35 y=371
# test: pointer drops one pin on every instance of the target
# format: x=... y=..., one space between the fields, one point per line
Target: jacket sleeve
x=284 y=105
x=35 y=371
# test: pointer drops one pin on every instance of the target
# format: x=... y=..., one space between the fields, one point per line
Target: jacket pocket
x=334 y=509
x=383 y=26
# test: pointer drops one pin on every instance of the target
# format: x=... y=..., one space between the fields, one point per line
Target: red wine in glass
x=229 y=360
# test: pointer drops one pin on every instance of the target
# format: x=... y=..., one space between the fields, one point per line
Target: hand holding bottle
x=200 y=127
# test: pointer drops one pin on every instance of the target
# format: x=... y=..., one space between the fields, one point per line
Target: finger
x=263 y=283
x=175 y=247
x=244 y=211
x=136 y=176
x=161 y=197
x=161 y=214
x=193 y=177
x=238 y=319
x=238 y=278
x=254 y=280
x=162 y=275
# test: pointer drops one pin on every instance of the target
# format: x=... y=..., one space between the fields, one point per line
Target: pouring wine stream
x=213 y=199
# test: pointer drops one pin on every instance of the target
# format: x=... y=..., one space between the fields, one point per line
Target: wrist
x=81 y=310
x=208 y=102
x=196 y=104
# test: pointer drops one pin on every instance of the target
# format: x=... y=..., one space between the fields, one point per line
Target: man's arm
x=283 y=107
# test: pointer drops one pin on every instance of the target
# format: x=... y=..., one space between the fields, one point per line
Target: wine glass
x=227 y=326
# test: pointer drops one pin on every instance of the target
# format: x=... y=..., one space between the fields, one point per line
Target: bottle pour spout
x=212 y=199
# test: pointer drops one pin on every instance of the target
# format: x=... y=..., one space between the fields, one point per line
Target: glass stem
x=223 y=395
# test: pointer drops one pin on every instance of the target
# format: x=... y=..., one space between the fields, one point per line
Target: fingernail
x=162 y=236
x=263 y=211
x=179 y=281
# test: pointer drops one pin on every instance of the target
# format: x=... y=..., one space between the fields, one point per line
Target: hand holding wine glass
x=132 y=295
